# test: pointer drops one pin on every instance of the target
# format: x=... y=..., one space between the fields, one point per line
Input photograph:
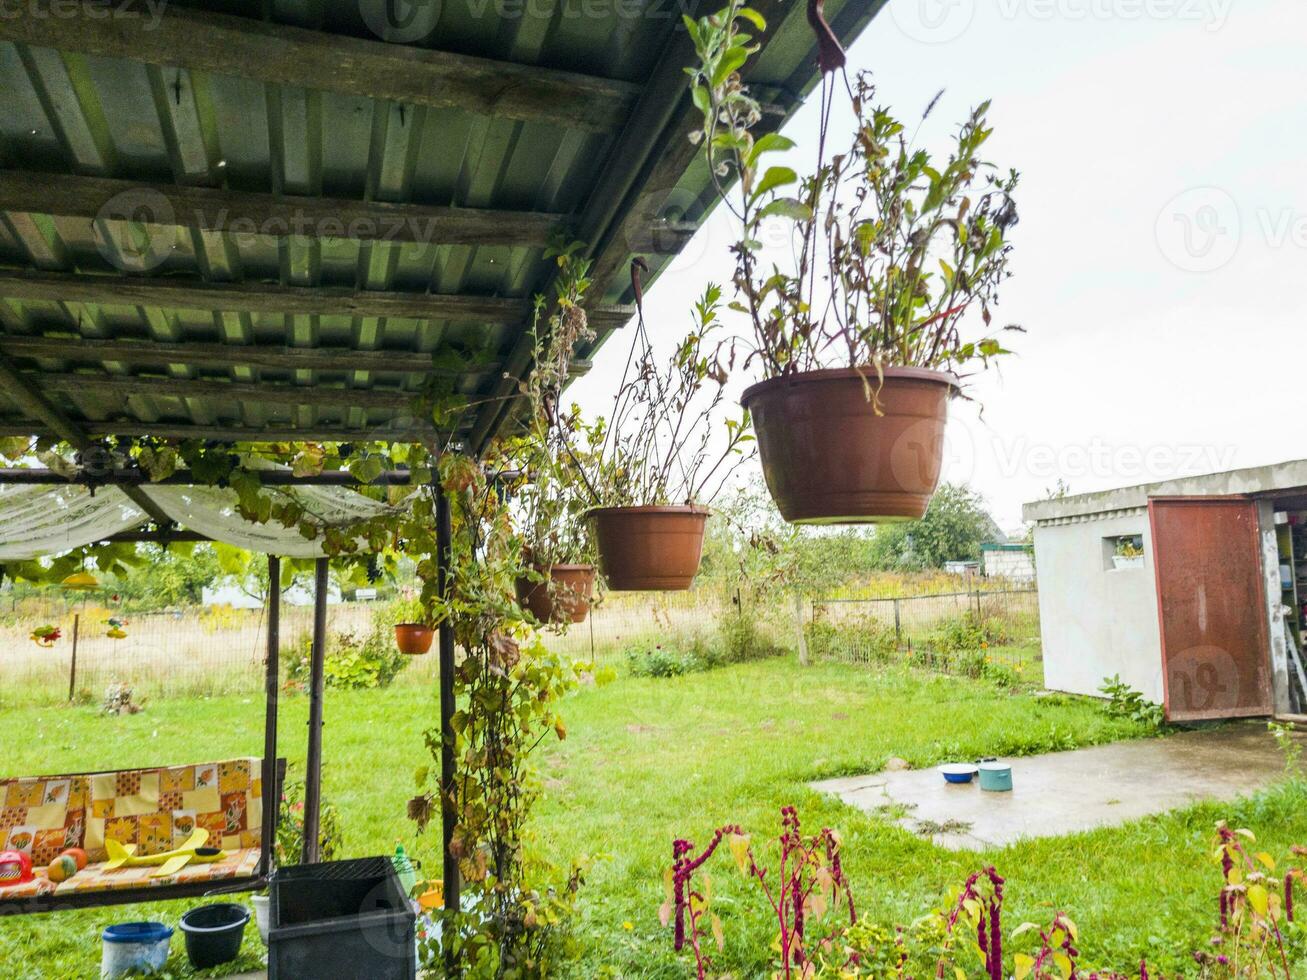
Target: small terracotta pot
x=655 y=549
x=828 y=458
x=567 y=601
x=413 y=638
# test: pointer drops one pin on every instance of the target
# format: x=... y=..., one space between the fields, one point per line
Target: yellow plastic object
x=81 y=580
x=433 y=898
x=117 y=633
x=171 y=861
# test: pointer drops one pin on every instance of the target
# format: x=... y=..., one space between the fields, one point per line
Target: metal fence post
x=72 y=668
x=898 y=626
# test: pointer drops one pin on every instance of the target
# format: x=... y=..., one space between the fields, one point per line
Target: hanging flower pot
x=654 y=549
x=413 y=639
x=564 y=595
x=828 y=458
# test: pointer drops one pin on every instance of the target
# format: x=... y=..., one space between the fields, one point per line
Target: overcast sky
x=1160 y=259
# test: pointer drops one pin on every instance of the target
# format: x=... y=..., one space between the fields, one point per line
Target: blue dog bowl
x=958 y=772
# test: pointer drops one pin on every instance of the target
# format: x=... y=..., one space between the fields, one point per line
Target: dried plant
x=891 y=248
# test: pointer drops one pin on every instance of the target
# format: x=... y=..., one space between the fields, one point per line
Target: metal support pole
x=313 y=763
x=72 y=668
x=898 y=626
x=448 y=815
x=271 y=694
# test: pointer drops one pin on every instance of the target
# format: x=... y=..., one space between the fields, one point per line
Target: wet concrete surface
x=1065 y=792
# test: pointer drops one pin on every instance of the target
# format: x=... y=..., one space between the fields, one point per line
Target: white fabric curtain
x=37 y=521
x=211 y=511
x=45 y=520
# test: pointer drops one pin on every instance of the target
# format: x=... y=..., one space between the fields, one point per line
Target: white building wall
x=1019 y=566
x=1097 y=621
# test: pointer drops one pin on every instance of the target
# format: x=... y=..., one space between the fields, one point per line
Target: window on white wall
x=1123 y=551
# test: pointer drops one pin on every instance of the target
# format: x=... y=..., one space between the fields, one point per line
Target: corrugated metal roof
x=106 y=102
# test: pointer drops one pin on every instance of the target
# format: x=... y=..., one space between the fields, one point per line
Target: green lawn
x=650 y=760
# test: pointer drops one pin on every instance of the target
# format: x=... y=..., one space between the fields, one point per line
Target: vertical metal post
x=898 y=626
x=448 y=815
x=313 y=762
x=271 y=696
x=72 y=669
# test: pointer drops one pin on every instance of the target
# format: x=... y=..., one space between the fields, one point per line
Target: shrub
x=352 y=663
x=970 y=631
x=290 y=827
x=866 y=639
x=742 y=640
x=1123 y=701
x=660 y=661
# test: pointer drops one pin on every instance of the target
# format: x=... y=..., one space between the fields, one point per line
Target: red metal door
x=1211 y=602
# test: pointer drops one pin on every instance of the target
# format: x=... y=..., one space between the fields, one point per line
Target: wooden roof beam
x=403 y=431
x=264 y=393
x=223 y=356
x=286 y=55
x=175 y=292
x=210 y=355
x=160 y=207
x=32 y=401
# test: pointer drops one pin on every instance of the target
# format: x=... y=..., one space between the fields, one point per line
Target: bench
x=150 y=811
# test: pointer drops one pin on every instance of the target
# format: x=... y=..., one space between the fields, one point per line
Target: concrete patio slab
x=1065 y=792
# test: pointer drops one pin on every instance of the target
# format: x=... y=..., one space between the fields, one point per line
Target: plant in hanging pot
x=549 y=500
x=415 y=634
x=659 y=460
x=858 y=328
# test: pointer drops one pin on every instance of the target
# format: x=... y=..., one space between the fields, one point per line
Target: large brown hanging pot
x=564 y=595
x=828 y=458
x=654 y=549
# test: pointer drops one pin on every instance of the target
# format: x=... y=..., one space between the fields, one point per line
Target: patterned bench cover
x=155 y=809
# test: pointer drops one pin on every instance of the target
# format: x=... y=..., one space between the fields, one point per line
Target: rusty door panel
x=1211 y=603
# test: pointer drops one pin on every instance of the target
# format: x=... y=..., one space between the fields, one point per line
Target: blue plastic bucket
x=139 y=946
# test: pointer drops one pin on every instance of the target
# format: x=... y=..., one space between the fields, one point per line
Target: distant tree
x=749 y=545
x=163 y=577
x=955 y=526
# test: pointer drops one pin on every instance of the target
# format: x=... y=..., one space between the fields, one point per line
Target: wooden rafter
x=265 y=392
x=256 y=297
x=285 y=55
x=185 y=293
x=273 y=356
x=210 y=355
x=275 y=215
x=35 y=404
x=408 y=429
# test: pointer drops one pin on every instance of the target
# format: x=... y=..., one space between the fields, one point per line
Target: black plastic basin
x=213 y=933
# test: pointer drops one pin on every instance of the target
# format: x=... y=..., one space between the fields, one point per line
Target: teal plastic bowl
x=996 y=777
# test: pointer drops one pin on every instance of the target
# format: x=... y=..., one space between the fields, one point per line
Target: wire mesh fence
x=220 y=650
x=990 y=632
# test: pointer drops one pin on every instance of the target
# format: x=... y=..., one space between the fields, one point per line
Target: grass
x=648 y=760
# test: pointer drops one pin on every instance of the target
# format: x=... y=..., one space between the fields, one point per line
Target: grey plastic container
x=348 y=920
